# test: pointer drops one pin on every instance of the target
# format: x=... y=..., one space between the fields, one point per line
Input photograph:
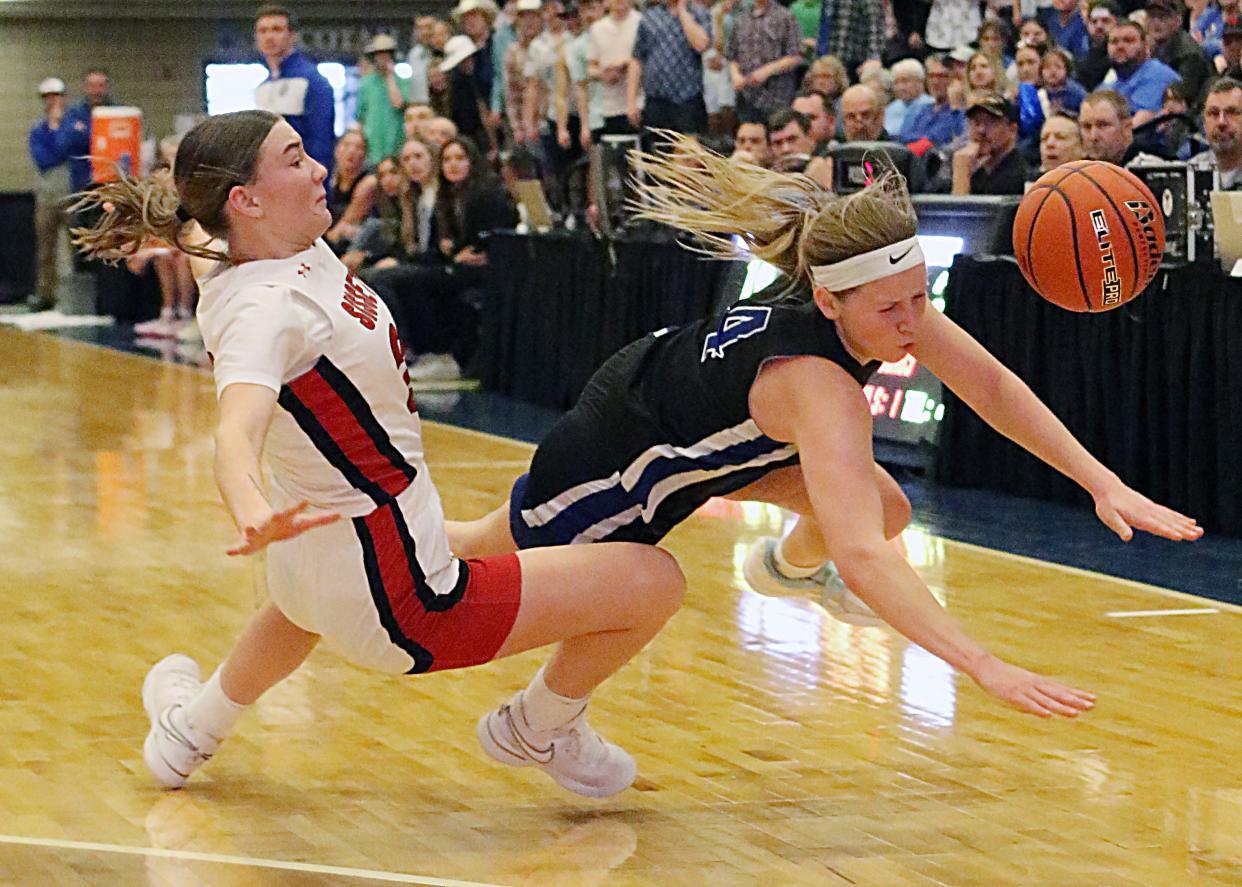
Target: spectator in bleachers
x=1222 y=124
x=909 y=80
x=827 y=75
x=817 y=108
x=294 y=88
x=1059 y=93
x=382 y=97
x=939 y=122
x=51 y=193
x=415 y=119
x=1059 y=142
x=1065 y=26
x=1107 y=128
x=985 y=74
x=666 y=61
x=1176 y=48
x=1176 y=137
x=577 y=94
x=764 y=51
x=1091 y=66
x=612 y=46
x=807 y=14
x=993 y=38
x=1138 y=78
x=528 y=24
x=379 y=233
x=351 y=190
x=1231 y=50
x=440 y=131
x=475 y=19
x=1026 y=63
x=789 y=143
x=421 y=57
x=1206 y=25
x=851 y=30
x=719 y=96
x=1033 y=33
x=990 y=162
x=862 y=115
x=74 y=135
x=751 y=144
x=467 y=107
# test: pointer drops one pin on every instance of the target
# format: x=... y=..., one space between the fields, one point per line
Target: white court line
x=1079 y=571
x=223 y=859
x=1130 y=614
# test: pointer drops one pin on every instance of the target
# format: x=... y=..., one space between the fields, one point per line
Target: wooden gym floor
x=776 y=746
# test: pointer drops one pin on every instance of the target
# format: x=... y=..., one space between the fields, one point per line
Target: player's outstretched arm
x=820 y=408
x=245 y=414
x=1006 y=403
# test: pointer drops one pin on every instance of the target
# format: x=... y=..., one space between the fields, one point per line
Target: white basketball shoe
x=172 y=749
x=574 y=755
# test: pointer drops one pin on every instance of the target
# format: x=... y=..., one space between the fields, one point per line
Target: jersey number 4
x=738 y=323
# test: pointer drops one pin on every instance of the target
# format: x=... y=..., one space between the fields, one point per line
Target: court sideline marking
x=252 y=862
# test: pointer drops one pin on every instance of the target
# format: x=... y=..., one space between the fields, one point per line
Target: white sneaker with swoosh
x=574 y=755
x=173 y=750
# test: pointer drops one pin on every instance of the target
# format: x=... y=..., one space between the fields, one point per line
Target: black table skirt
x=559 y=304
x=1153 y=389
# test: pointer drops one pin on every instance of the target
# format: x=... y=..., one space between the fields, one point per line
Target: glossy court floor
x=776 y=746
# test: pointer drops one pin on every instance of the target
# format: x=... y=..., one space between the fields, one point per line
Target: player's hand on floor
x=1032 y=693
x=280 y=526
x=1123 y=510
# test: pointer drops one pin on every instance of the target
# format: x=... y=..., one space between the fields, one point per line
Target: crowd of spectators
x=984 y=96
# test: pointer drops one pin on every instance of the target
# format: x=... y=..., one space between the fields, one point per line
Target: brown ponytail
x=216 y=155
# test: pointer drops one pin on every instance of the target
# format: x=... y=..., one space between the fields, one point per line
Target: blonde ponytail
x=787 y=219
x=136 y=212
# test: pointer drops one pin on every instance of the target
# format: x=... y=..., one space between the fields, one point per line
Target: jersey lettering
x=358 y=301
x=398 y=353
x=738 y=323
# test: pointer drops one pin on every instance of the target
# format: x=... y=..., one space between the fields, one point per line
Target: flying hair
x=787 y=219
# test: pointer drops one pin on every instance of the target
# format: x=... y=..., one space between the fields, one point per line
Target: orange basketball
x=1088 y=236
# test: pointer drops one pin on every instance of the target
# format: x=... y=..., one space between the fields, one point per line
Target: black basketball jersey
x=664 y=425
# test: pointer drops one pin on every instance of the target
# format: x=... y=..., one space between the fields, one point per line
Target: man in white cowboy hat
x=529 y=24
x=475 y=19
x=382 y=97
x=51 y=190
x=467 y=107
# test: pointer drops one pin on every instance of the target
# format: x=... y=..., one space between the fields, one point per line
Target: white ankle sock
x=543 y=710
x=211 y=711
x=787 y=569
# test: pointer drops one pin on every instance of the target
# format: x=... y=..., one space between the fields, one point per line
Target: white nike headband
x=875 y=265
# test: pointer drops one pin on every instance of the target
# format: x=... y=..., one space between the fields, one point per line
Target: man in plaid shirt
x=763 y=51
x=671 y=37
x=852 y=30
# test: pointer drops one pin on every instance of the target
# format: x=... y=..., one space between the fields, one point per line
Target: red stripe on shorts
x=473 y=630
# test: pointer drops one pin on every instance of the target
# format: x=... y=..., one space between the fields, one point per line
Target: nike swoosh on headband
x=894 y=261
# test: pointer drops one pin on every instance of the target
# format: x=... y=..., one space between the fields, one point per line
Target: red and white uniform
x=383 y=586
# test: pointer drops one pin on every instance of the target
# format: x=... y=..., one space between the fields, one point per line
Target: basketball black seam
x=1124 y=227
x=1069 y=206
x=1030 y=234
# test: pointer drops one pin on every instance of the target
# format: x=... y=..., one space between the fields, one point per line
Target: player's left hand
x=280 y=526
x=1123 y=510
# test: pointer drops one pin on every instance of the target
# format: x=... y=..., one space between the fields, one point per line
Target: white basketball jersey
x=345 y=436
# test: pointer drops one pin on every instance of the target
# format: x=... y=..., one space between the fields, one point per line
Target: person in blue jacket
x=74 y=136
x=51 y=190
x=294 y=88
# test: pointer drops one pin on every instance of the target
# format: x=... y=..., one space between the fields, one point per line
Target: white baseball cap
x=52 y=86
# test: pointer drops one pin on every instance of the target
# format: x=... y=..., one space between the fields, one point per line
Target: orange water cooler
x=116 y=141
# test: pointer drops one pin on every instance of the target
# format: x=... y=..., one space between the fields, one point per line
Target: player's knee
x=664 y=584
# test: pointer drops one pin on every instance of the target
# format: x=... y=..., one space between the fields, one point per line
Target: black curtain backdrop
x=1153 y=389
x=560 y=304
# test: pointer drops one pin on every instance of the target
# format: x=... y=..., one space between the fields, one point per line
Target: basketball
x=1088 y=236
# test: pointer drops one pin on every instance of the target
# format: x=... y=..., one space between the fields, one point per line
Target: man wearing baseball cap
x=51 y=191
x=990 y=162
x=1174 y=46
x=382 y=97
